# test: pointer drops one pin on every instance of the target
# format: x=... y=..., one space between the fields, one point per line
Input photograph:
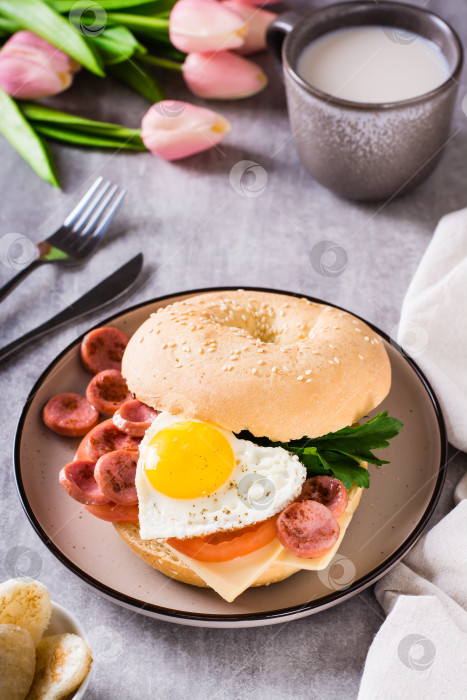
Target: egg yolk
x=188 y=460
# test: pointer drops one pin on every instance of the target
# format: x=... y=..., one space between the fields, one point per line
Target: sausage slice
x=115 y=474
x=107 y=391
x=307 y=529
x=105 y=437
x=103 y=348
x=327 y=490
x=77 y=478
x=134 y=417
x=69 y=414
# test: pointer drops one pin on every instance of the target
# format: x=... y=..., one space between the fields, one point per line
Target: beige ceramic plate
x=389 y=520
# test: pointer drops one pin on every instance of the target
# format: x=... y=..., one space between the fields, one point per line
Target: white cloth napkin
x=420 y=651
x=433 y=324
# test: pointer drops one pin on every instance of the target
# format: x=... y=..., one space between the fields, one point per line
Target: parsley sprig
x=339 y=454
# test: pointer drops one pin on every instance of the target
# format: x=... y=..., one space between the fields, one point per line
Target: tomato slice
x=224 y=546
x=115 y=513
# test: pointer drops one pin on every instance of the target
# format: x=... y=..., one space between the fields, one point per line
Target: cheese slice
x=230 y=578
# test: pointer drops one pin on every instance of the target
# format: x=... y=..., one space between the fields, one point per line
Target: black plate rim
x=310 y=607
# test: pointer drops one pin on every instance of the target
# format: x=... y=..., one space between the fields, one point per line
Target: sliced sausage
x=327 y=490
x=134 y=417
x=69 y=414
x=77 y=478
x=115 y=513
x=103 y=348
x=105 y=437
x=107 y=391
x=307 y=529
x=115 y=473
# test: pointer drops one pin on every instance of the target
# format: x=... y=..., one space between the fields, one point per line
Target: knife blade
x=110 y=289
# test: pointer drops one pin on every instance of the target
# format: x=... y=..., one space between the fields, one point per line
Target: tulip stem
x=161 y=62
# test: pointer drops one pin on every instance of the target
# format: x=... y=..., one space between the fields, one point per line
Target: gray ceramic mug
x=363 y=150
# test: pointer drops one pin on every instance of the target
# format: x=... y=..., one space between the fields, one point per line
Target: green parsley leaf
x=339 y=454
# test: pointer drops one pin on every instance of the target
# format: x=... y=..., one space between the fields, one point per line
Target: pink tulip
x=173 y=129
x=222 y=75
x=205 y=25
x=257 y=22
x=31 y=68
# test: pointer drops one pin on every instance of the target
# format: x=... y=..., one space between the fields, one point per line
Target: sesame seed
x=224 y=368
x=211 y=349
x=331 y=346
x=308 y=371
x=308 y=381
x=336 y=360
x=274 y=369
x=300 y=377
x=359 y=330
x=253 y=370
x=366 y=338
x=330 y=362
x=360 y=356
x=315 y=352
x=200 y=350
x=260 y=362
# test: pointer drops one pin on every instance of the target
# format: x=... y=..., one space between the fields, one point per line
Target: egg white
x=263 y=481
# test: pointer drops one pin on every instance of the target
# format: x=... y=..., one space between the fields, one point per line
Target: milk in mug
x=373 y=64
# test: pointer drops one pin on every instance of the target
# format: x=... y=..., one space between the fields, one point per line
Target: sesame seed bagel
x=273 y=364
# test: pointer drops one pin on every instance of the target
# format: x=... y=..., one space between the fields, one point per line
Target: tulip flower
x=257 y=22
x=222 y=75
x=173 y=129
x=205 y=25
x=31 y=68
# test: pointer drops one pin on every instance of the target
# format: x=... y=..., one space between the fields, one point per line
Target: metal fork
x=79 y=234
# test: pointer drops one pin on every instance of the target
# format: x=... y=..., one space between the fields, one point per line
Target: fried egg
x=194 y=478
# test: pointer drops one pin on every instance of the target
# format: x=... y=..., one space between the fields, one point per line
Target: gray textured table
x=196 y=231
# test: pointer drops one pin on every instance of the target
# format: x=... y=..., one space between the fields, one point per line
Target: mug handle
x=277 y=32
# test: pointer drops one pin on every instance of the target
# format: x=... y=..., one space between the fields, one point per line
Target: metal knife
x=106 y=291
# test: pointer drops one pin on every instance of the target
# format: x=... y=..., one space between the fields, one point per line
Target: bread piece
x=27 y=604
x=17 y=661
x=63 y=662
x=321 y=369
x=158 y=555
